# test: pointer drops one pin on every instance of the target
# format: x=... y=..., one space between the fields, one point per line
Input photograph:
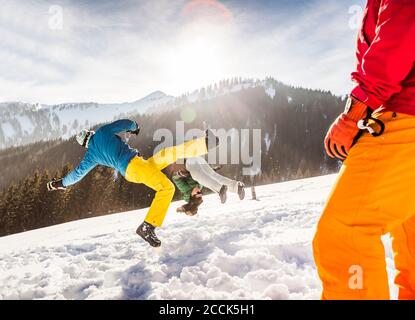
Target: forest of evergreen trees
x=27 y=205
x=293 y=125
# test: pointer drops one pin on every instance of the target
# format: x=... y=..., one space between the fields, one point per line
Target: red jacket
x=386 y=56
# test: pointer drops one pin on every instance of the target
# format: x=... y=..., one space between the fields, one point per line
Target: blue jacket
x=107 y=149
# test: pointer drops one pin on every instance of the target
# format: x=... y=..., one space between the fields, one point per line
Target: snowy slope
x=240 y=250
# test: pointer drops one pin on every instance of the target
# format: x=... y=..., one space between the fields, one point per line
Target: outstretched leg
x=189 y=149
x=144 y=171
x=207 y=177
x=149 y=173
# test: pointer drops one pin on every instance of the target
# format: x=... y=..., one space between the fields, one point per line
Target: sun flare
x=198 y=60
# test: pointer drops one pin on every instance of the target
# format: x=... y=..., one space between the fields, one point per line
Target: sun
x=197 y=60
x=200 y=59
x=199 y=54
x=207 y=8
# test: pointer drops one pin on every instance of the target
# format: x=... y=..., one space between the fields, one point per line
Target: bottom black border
x=179 y=309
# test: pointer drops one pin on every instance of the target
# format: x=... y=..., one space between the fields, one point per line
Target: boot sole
x=151 y=244
x=225 y=197
x=241 y=192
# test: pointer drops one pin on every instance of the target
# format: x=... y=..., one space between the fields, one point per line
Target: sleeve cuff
x=370 y=101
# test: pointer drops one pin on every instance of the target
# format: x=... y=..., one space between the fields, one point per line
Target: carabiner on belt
x=365 y=125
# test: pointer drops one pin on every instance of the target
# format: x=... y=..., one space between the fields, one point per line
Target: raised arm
x=122 y=125
x=186 y=186
x=81 y=171
x=391 y=55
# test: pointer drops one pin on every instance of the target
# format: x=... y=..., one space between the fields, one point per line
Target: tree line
x=293 y=125
x=28 y=205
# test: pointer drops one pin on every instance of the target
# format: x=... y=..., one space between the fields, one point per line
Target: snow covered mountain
x=240 y=250
x=23 y=123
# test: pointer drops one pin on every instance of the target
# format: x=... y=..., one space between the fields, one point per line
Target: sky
x=114 y=51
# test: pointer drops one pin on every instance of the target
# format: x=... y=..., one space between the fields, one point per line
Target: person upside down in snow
x=195 y=174
x=105 y=147
x=374 y=192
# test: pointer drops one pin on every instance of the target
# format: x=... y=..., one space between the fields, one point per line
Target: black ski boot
x=241 y=190
x=223 y=194
x=212 y=141
x=146 y=231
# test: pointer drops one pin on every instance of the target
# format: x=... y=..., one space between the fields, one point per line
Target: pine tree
x=11 y=210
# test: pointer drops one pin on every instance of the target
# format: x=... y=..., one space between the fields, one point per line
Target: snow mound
x=240 y=250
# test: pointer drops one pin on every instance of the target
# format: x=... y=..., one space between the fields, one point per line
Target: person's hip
x=139 y=169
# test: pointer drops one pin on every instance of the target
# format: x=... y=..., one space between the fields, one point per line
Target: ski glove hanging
x=55 y=184
x=348 y=127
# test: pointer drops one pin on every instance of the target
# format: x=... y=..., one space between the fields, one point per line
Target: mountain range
x=24 y=123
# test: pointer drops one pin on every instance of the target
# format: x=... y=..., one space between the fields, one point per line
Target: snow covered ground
x=240 y=250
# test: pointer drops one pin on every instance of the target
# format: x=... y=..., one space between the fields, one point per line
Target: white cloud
x=110 y=52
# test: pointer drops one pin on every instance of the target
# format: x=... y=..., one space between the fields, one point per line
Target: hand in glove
x=196 y=192
x=136 y=131
x=344 y=132
x=55 y=184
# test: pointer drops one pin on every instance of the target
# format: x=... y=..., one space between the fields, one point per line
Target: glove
x=55 y=184
x=136 y=131
x=196 y=192
x=345 y=132
x=137 y=152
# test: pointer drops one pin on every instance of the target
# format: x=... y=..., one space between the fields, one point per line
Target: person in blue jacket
x=105 y=147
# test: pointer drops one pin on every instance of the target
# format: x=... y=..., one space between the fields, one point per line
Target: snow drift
x=240 y=250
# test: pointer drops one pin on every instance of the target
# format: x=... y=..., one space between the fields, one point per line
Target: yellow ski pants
x=374 y=194
x=149 y=173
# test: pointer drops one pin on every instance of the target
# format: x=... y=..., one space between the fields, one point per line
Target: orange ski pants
x=374 y=194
